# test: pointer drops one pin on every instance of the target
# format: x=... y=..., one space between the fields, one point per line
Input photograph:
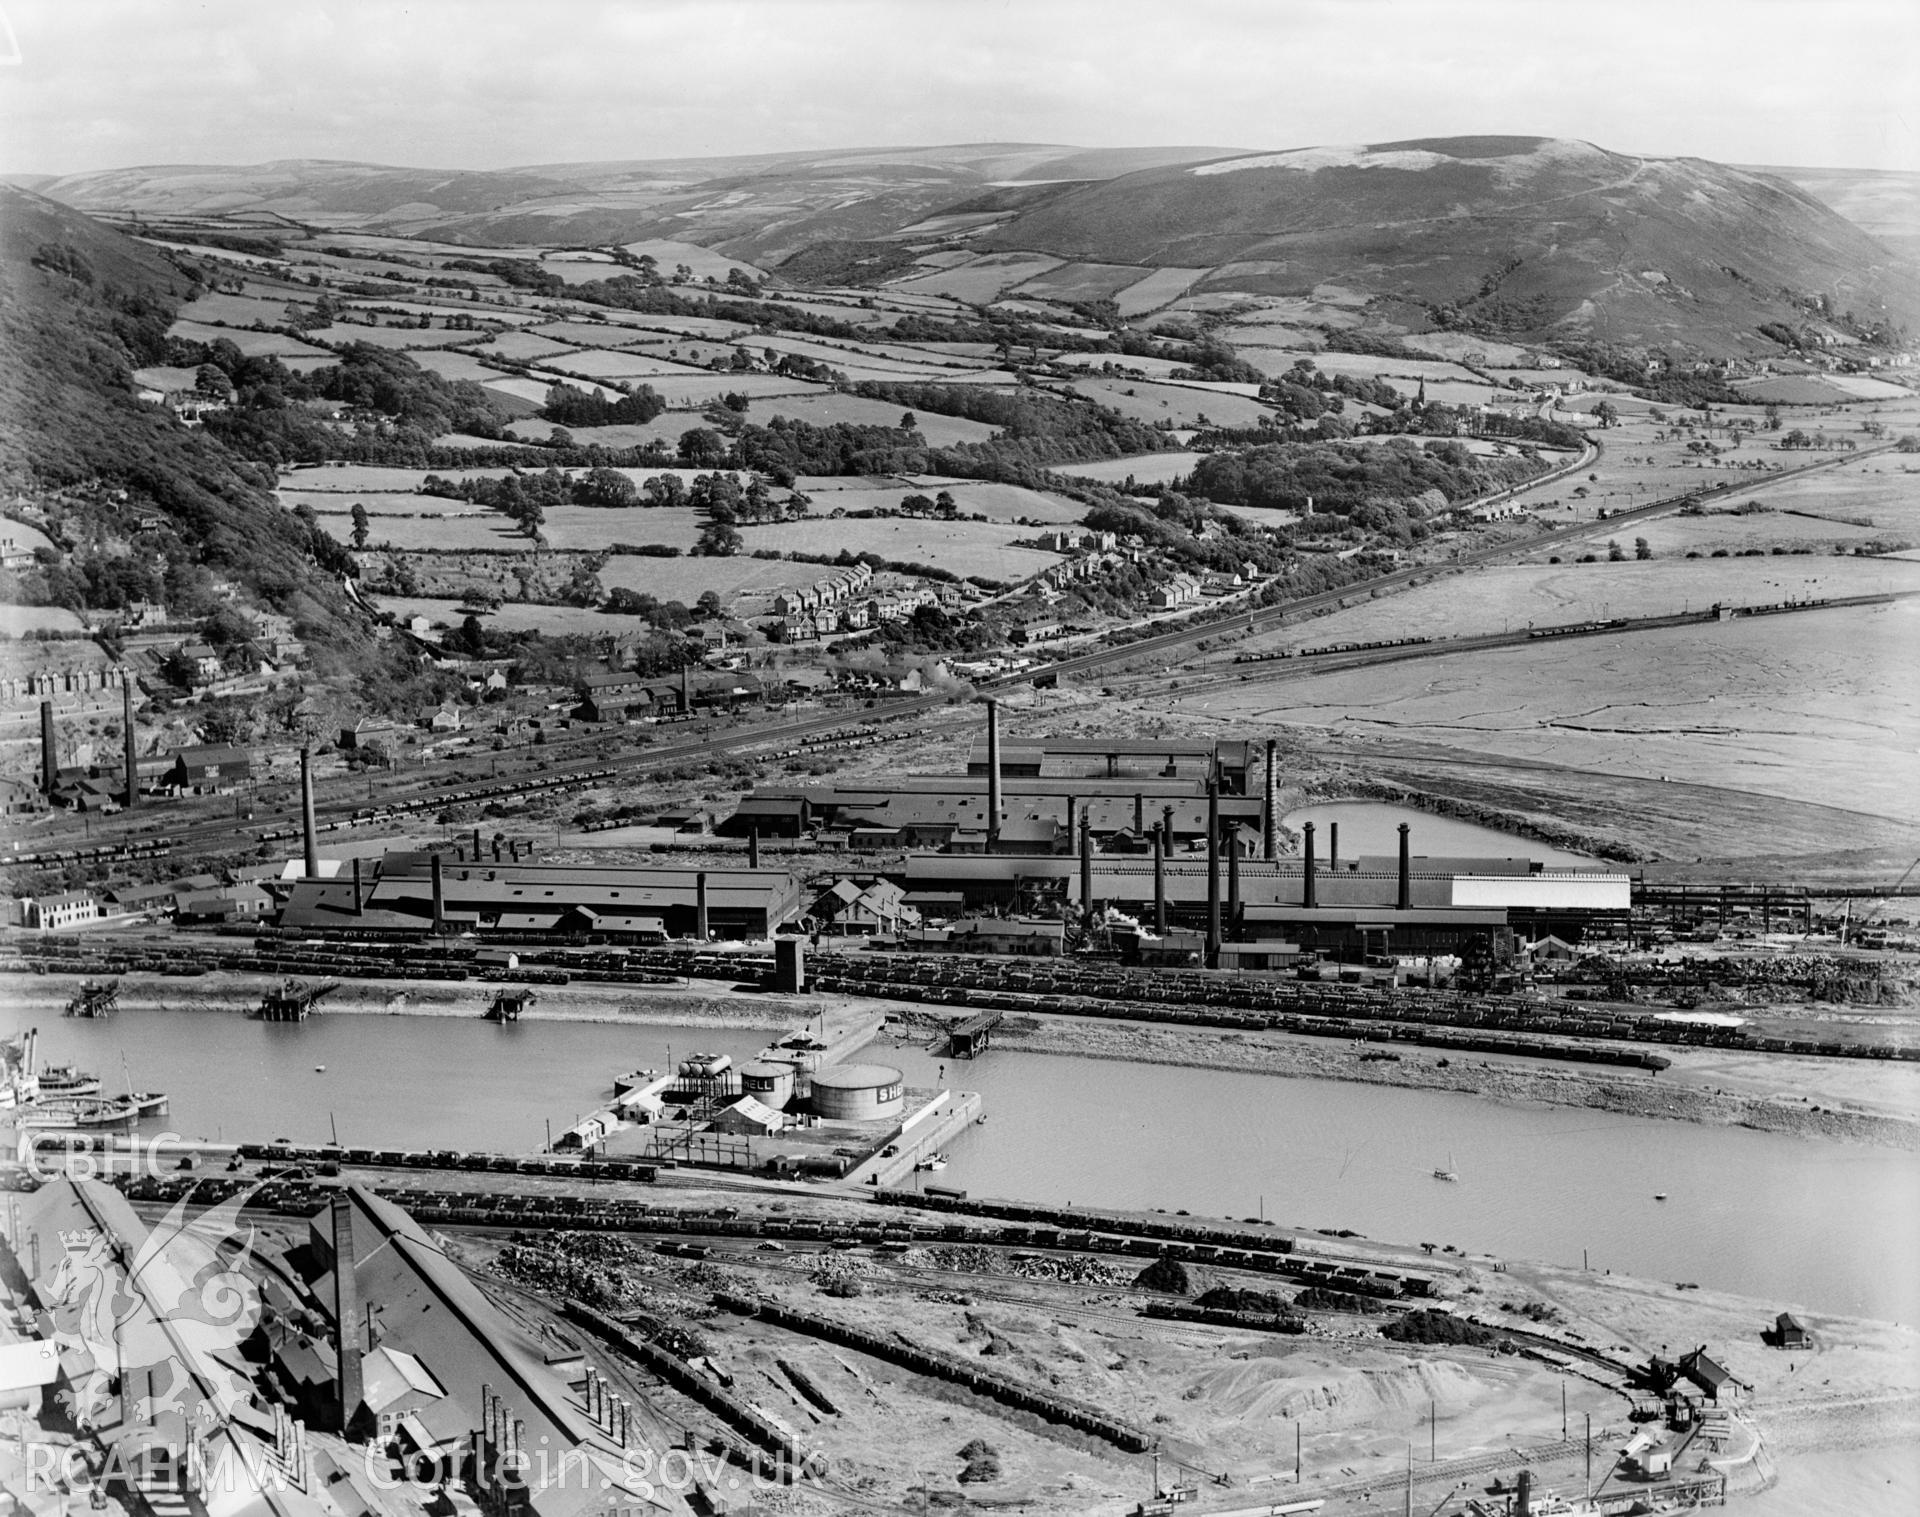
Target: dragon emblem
x=173 y=1356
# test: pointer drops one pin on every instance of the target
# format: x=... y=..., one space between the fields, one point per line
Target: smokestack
x=1139 y=813
x=346 y=1310
x=486 y=1413
x=1269 y=812
x=686 y=692
x=1523 y=1494
x=1333 y=846
x=1160 y=878
x=1406 y=870
x=358 y=899
x=1306 y=861
x=1213 y=871
x=306 y=816
x=1086 y=868
x=993 y=773
x=700 y=905
x=1073 y=824
x=1233 y=885
x=126 y=727
x=753 y=846
x=439 y=896
x=476 y=845
x=49 y=765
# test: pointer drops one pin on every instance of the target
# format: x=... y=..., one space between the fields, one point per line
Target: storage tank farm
x=858 y=1092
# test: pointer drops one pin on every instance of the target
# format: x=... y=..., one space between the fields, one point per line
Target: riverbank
x=1852 y=1101
x=1510 y=1080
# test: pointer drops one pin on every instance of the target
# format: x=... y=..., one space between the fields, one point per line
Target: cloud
x=486 y=84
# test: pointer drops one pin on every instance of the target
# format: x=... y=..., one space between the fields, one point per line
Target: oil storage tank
x=768 y=1083
x=858 y=1092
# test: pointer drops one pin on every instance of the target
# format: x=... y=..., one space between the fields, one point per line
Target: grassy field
x=1145 y=401
x=533 y=387
x=1161 y=287
x=1082 y=281
x=665 y=429
x=456 y=366
x=253 y=344
x=519 y=616
x=18 y=621
x=613 y=363
x=1006 y=503
x=825 y=409
x=1508 y=596
x=965 y=548
x=732 y=579
x=403 y=338
x=1147 y=468
x=1813 y=708
x=704 y=262
x=523 y=347
x=982 y=280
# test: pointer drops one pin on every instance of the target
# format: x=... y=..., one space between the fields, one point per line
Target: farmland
x=1807 y=708
x=960 y=547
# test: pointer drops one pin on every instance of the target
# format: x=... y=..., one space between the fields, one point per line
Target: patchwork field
x=1006 y=503
x=1815 y=708
x=1082 y=281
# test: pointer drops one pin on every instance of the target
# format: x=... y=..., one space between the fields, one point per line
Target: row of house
x=623 y=695
x=843 y=587
x=857 y=615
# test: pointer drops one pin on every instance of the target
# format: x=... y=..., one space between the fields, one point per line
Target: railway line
x=131 y=836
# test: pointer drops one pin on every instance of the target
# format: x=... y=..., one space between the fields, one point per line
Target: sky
x=474 y=84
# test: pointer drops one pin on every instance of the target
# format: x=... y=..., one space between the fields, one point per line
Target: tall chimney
x=126 y=727
x=700 y=905
x=1333 y=846
x=686 y=692
x=1086 y=868
x=1139 y=813
x=486 y=1414
x=439 y=896
x=476 y=845
x=346 y=1310
x=1306 y=865
x=1269 y=812
x=753 y=845
x=496 y=848
x=306 y=815
x=993 y=773
x=1213 y=871
x=49 y=764
x=1073 y=824
x=1233 y=885
x=1406 y=870
x=1523 y=1494
x=359 y=900
x=1160 y=878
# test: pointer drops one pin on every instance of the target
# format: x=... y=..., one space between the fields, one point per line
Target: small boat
x=66 y=1080
x=1449 y=1174
x=1659 y=1195
x=933 y=1162
x=319 y=1069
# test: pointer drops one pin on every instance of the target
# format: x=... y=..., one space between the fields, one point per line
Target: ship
x=65 y=1080
x=90 y=1113
x=1449 y=1173
x=95 y=998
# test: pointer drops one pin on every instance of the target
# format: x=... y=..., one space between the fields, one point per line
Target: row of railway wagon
x=1202 y=998
x=1010 y=1224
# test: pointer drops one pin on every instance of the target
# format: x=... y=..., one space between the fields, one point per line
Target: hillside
x=1525 y=235
x=763 y=206
x=80 y=307
x=1879 y=201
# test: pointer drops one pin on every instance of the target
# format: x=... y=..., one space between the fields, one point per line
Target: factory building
x=417 y=893
x=1119 y=758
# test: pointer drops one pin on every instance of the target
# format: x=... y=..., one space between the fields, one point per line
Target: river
x=1794 y=1222
x=1372 y=827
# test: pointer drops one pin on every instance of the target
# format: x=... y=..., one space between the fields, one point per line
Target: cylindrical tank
x=858 y=1092
x=768 y=1083
x=705 y=1066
